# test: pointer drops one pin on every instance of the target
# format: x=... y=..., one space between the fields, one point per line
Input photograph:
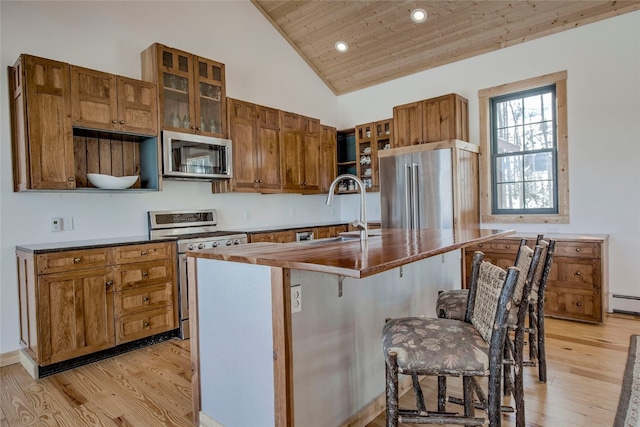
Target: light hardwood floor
x=151 y=386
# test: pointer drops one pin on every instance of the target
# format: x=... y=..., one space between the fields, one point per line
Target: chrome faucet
x=362 y=224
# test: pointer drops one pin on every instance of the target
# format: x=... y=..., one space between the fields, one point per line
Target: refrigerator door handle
x=415 y=194
x=407 y=196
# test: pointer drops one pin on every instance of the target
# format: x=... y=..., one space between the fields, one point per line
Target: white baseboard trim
x=207 y=421
x=625 y=304
x=9 y=358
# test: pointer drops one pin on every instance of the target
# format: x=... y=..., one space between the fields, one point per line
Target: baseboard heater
x=626 y=304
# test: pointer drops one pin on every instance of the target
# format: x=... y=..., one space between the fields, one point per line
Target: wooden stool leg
x=542 y=358
x=392 y=389
x=467 y=390
x=442 y=393
x=418 y=392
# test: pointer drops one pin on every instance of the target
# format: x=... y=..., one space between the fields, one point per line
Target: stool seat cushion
x=437 y=346
x=452 y=304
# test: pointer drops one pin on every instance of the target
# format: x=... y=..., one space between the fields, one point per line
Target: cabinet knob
x=578 y=250
x=121 y=122
x=578 y=273
x=579 y=304
x=109 y=283
x=114 y=122
x=480 y=245
x=144 y=253
x=145 y=274
x=71 y=179
x=77 y=260
x=145 y=324
x=145 y=299
x=508 y=246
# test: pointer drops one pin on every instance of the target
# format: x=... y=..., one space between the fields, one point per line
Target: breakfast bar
x=257 y=360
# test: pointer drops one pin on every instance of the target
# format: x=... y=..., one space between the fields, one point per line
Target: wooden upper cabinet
x=268 y=149
x=291 y=152
x=432 y=120
x=113 y=103
x=254 y=131
x=311 y=134
x=328 y=157
x=191 y=90
x=407 y=124
x=42 y=135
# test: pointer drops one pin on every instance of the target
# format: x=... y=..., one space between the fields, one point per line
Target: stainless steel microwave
x=189 y=156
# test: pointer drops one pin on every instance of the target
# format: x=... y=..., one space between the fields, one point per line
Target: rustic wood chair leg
x=391 y=369
x=467 y=390
x=518 y=387
x=542 y=358
x=442 y=393
x=418 y=392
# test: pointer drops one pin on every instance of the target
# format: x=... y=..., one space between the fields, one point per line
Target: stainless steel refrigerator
x=417 y=188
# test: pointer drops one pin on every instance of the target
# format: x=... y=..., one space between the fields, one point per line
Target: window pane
x=510 y=196
x=509 y=169
x=538 y=166
x=538 y=136
x=509 y=113
x=510 y=139
x=538 y=194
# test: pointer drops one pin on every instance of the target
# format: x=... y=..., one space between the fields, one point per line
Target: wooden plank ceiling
x=384 y=44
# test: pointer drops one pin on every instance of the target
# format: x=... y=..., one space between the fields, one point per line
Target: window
x=524 y=168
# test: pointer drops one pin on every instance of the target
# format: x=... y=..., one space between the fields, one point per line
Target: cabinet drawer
x=578 y=249
x=144 y=324
x=143 y=299
x=574 y=273
x=55 y=262
x=144 y=252
x=573 y=304
x=140 y=274
x=502 y=246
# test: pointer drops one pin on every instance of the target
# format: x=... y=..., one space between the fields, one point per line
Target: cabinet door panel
x=209 y=92
x=407 y=124
x=268 y=148
x=311 y=133
x=572 y=304
x=77 y=314
x=242 y=131
x=328 y=157
x=291 y=152
x=260 y=237
x=137 y=107
x=50 y=138
x=94 y=99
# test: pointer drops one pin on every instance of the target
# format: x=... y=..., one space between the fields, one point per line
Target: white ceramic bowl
x=110 y=182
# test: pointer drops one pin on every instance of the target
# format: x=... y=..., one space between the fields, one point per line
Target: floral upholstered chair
x=445 y=347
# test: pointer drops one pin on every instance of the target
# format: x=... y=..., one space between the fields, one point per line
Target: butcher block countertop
x=385 y=249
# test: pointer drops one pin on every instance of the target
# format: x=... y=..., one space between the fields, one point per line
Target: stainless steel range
x=195 y=230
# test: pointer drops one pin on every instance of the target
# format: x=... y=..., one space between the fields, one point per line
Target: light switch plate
x=55 y=223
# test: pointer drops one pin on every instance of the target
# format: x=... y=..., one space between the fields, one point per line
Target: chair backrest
x=543 y=269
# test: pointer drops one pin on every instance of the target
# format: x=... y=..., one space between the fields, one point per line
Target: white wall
x=260 y=67
x=603 y=61
x=603 y=64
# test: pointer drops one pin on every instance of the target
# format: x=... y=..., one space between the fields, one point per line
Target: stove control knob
x=236 y=242
x=190 y=247
x=214 y=244
x=200 y=245
x=229 y=242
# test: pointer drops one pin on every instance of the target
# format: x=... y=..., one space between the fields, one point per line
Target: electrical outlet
x=67 y=223
x=55 y=224
x=247 y=215
x=296 y=298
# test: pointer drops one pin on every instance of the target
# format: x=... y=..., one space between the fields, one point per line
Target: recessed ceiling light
x=342 y=46
x=418 y=16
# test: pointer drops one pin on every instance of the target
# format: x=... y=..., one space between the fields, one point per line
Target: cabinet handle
x=145 y=299
x=579 y=304
x=114 y=122
x=71 y=179
x=578 y=250
x=508 y=246
x=145 y=324
x=145 y=274
x=77 y=260
x=109 y=283
x=121 y=122
x=144 y=253
x=578 y=273
x=480 y=245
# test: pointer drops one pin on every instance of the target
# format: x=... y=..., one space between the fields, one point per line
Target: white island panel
x=236 y=343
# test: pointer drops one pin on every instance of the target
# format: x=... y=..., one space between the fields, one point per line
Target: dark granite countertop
x=88 y=244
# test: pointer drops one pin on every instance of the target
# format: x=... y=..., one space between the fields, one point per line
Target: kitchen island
x=256 y=363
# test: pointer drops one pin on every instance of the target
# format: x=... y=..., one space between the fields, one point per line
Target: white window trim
x=484 y=96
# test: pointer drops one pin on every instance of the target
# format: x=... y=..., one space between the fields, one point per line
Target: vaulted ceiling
x=384 y=44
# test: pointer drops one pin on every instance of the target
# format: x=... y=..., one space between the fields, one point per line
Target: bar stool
x=445 y=347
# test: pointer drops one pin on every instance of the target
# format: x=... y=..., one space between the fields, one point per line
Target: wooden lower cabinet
x=577 y=285
x=78 y=302
x=289 y=235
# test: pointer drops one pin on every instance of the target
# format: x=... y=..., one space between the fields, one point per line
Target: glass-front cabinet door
x=210 y=96
x=177 y=90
